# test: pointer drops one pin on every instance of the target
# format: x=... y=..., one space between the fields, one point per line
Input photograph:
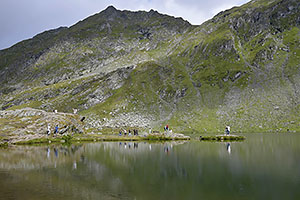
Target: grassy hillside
x=144 y=69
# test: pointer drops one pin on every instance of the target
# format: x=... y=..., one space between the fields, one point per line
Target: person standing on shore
x=56 y=129
x=227 y=130
x=48 y=130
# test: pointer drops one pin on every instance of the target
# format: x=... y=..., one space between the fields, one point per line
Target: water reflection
x=48 y=152
x=167 y=146
x=34 y=157
x=140 y=170
x=74 y=164
x=228 y=148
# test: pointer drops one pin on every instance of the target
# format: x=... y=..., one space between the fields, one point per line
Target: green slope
x=144 y=69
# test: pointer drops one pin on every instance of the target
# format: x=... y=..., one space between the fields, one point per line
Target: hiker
x=227 y=130
x=48 y=130
x=167 y=127
x=125 y=132
x=56 y=129
x=129 y=132
x=120 y=133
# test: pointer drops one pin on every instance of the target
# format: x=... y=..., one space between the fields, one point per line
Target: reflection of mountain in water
x=114 y=170
x=36 y=157
x=94 y=170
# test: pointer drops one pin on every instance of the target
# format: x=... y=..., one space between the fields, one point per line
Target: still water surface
x=262 y=167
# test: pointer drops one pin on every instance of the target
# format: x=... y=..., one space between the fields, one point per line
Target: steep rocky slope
x=145 y=69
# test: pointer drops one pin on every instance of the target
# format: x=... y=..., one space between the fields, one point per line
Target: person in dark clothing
x=227 y=130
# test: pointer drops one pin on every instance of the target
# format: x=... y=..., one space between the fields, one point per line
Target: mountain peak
x=110 y=9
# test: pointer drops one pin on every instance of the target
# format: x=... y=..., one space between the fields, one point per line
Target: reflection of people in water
x=228 y=148
x=48 y=152
x=166 y=149
x=56 y=152
x=135 y=145
x=74 y=164
x=82 y=158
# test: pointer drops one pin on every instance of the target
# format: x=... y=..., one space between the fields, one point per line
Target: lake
x=264 y=166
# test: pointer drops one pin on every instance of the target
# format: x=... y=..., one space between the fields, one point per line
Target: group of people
x=134 y=132
x=62 y=131
x=49 y=130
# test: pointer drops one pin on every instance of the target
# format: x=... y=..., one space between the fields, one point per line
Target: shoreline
x=65 y=139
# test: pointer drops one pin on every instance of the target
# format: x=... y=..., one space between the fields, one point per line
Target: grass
x=162 y=85
x=68 y=139
x=222 y=138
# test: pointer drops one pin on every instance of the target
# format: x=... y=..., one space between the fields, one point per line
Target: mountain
x=145 y=69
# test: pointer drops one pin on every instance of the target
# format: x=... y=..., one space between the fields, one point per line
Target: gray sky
x=23 y=19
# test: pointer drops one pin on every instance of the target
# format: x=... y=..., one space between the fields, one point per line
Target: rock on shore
x=29 y=123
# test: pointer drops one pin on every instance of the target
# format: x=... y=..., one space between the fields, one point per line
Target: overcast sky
x=23 y=19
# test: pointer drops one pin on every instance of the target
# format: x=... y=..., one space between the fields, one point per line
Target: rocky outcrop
x=31 y=123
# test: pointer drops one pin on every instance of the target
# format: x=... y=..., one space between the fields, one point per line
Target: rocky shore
x=31 y=126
